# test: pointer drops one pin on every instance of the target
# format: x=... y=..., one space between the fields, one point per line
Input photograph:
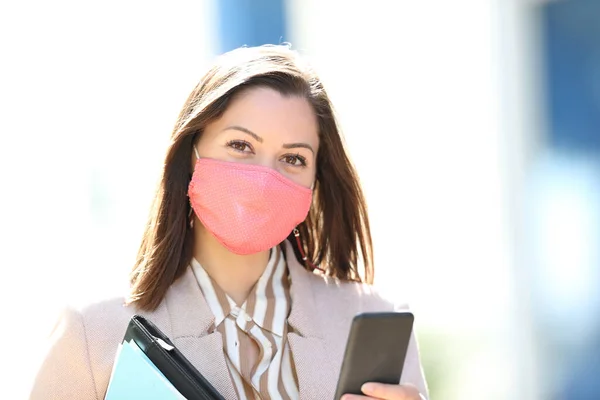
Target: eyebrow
x=247 y=131
x=296 y=145
x=260 y=139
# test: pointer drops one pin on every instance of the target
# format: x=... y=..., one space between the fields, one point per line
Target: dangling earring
x=301 y=249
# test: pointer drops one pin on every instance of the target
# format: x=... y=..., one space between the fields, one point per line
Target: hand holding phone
x=375 y=351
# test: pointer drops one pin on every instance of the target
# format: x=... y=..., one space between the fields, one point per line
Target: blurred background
x=474 y=125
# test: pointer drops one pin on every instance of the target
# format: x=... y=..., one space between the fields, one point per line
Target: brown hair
x=336 y=233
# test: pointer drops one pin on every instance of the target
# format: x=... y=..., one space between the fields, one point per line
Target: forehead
x=271 y=115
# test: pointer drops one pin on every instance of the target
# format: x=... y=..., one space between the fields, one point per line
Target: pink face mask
x=248 y=208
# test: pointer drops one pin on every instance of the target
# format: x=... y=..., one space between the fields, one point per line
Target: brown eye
x=295 y=160
x=240 y=146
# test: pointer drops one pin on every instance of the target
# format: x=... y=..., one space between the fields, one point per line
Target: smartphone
x=375 y=350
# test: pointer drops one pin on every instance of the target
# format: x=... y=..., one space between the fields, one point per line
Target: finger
x=390 y=392
x=356 y=397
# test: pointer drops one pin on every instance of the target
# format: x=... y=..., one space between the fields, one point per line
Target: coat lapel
x=186 y=318
x=190 y=324
x=316 y=374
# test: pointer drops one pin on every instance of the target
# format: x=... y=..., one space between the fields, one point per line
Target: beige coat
x=80 y=360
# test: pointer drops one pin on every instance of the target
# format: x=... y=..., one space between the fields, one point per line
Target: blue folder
x=134 y=376
x=149 y=366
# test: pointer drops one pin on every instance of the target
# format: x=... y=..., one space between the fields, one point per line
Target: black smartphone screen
x=375 y=350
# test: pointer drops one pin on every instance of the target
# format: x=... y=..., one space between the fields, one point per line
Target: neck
x=235 y=274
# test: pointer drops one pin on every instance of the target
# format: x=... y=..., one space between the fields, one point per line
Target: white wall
x=89 y=92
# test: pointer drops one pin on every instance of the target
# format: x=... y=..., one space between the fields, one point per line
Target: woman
x=257 y=190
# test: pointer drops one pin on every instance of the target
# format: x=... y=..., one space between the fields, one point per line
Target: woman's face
x=262 y=127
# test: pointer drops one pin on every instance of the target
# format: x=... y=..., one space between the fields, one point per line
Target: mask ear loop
x=301 y=249
x=191 y=208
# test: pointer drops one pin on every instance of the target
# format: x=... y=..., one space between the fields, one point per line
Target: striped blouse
x=256 y=330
